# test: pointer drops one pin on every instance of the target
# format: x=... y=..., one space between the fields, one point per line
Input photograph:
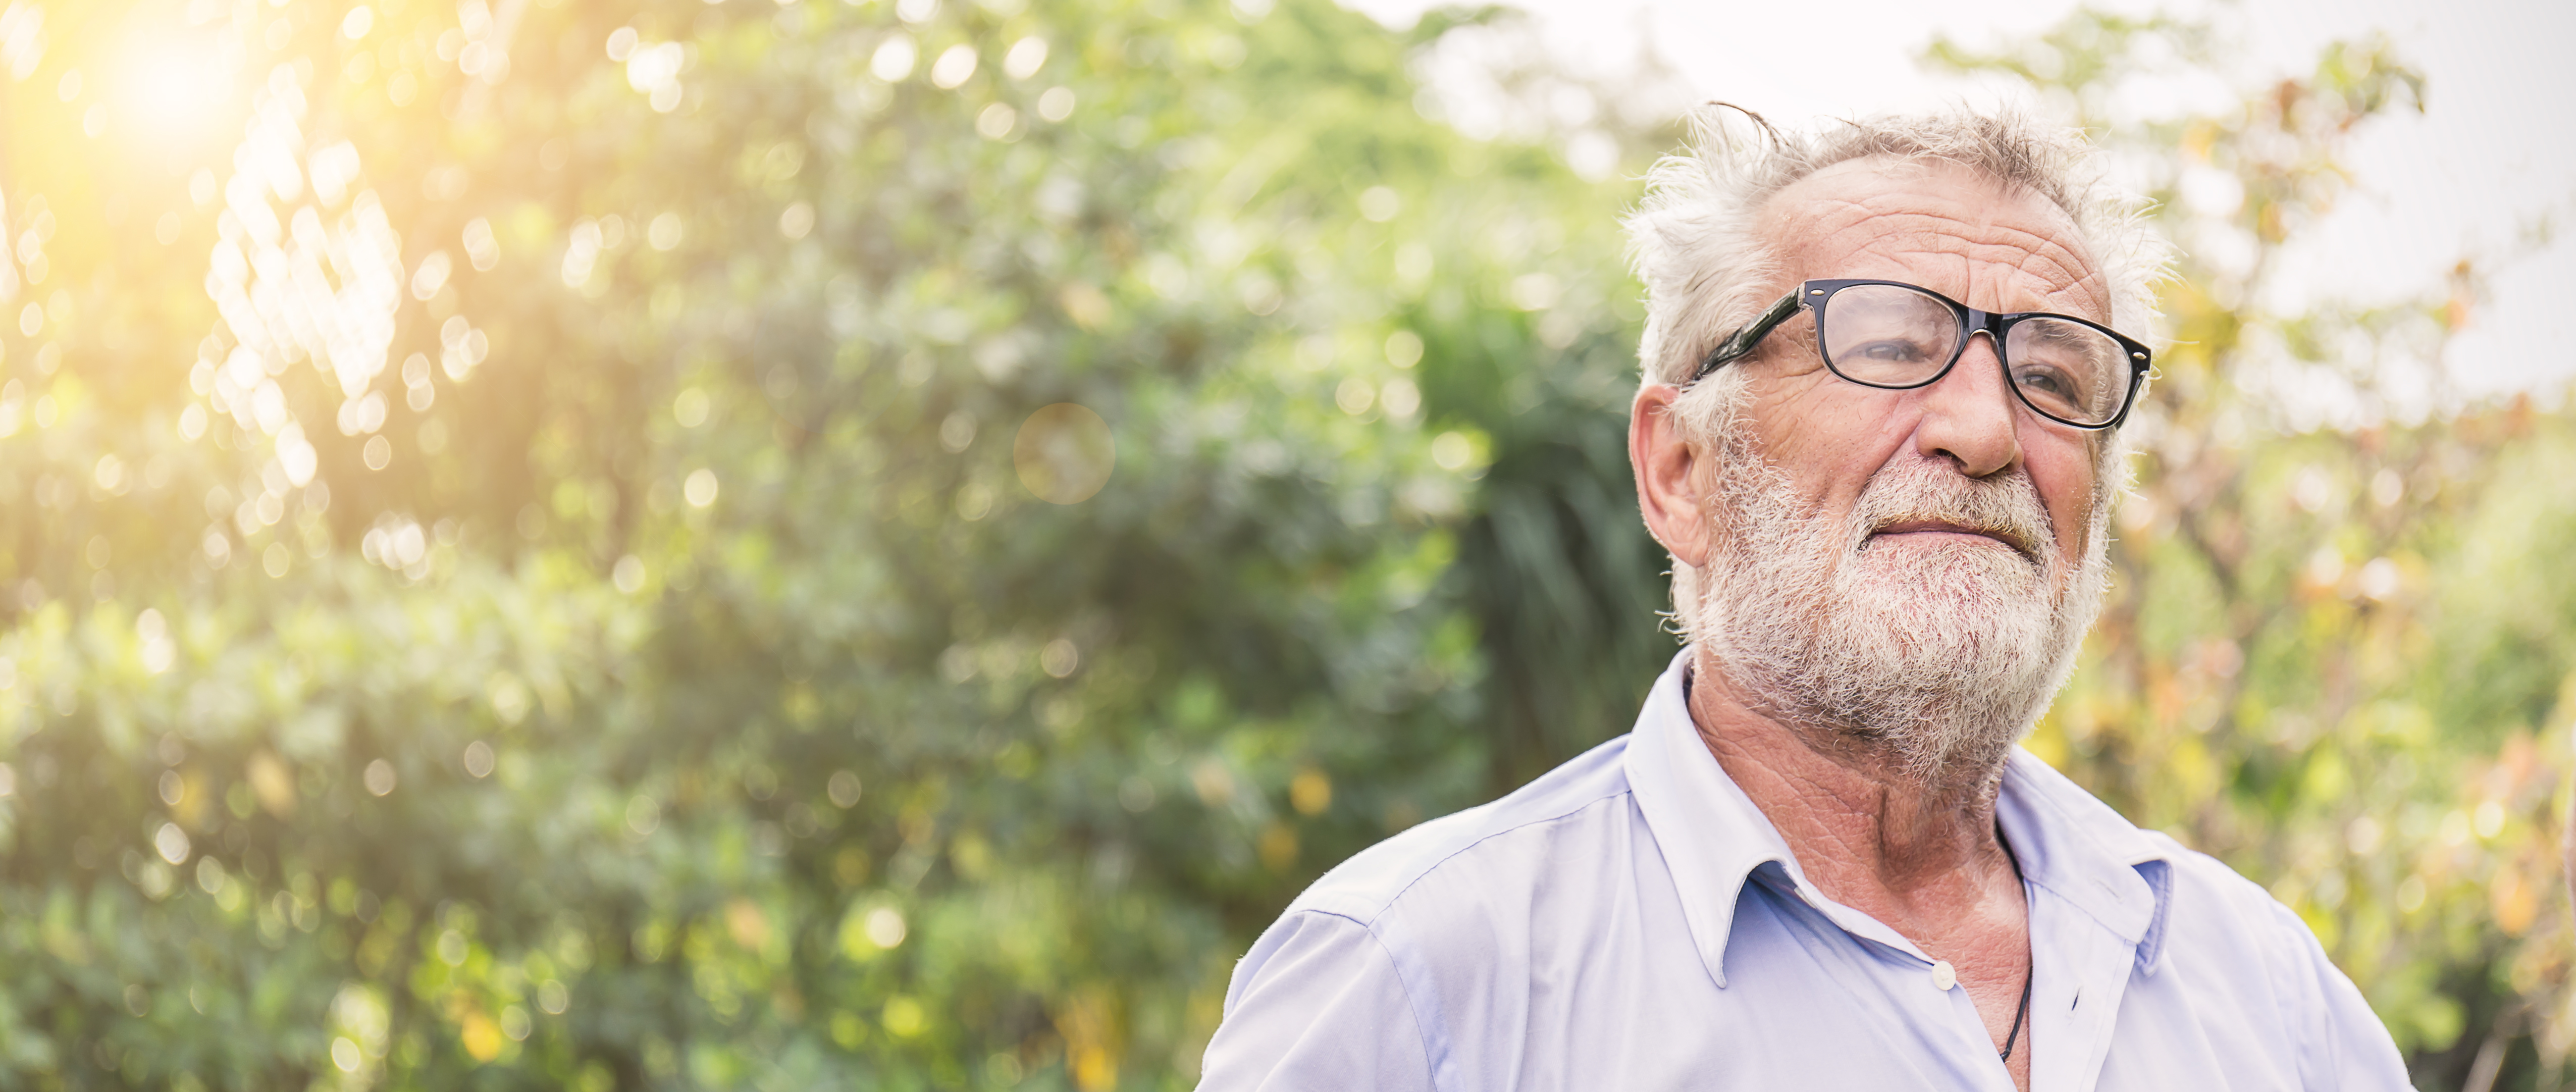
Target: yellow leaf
x=482 y=1037
x=750 y=927
x=903 y=1017
x=272 y=783
x=2514 y=901
x=1310 y=792
x=1278 y=847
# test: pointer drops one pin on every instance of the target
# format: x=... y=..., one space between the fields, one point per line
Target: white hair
x=1695 y=242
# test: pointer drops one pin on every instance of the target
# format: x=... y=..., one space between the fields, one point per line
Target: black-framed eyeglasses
x=1897 y=336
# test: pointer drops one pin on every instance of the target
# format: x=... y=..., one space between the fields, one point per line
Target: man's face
x=1910 y=568
x=1962 y=235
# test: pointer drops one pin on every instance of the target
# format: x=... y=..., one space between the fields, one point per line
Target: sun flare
x=170 y=90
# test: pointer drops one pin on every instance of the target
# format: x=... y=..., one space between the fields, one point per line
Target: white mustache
x=1912 y=491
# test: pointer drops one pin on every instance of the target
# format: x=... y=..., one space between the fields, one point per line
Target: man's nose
x=1968 y=416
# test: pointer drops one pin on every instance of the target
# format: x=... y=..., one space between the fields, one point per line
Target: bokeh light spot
x=955 y=66
x=1064 y=453
x=171 y=843
x=1380 y=203
x=1355 y=395
x=1025 y=58
x=690 y=408
x=665 y=231
x=1453 y=451
x=1056 y=104
x=893 y=59
x=996 y=122
x=1401 y=398
x=1404 y=348
x=1059 y=658
x=884 y=926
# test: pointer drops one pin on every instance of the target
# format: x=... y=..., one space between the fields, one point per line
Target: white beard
x=1933 y=654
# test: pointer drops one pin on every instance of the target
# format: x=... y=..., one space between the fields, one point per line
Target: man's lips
x=1944 y=527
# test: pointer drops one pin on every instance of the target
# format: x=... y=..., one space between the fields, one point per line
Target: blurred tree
x=633 y=644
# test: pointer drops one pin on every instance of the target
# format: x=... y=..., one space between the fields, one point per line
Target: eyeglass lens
x=1885 y=335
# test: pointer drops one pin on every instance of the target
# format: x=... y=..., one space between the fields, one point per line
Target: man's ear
x=1668 y=476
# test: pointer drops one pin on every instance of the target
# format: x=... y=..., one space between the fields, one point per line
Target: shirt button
x=1944 y=975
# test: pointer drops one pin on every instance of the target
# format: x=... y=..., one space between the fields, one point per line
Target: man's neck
x=1922 y=857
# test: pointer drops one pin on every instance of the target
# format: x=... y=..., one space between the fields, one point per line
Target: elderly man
x=1885 y=371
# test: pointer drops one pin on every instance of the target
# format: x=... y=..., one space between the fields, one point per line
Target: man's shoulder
x=2229 y=940
x=1510 y=838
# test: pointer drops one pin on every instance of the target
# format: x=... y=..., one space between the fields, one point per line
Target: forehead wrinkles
x=1997 y=230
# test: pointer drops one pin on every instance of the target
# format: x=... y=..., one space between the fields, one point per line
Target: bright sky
x=2493 y=153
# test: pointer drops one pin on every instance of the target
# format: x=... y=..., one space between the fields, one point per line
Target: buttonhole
x=2079 y=999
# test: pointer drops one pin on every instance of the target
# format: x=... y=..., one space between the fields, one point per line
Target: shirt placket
x=2076 y=993
x=1923 y=985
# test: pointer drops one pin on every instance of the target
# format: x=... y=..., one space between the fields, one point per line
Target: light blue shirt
x=1632 y=921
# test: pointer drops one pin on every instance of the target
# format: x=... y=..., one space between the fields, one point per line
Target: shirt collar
x=2081 y=851
x=1713 y=837
x=1710 y=833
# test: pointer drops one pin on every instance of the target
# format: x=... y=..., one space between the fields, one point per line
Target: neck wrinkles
x=1864 y=831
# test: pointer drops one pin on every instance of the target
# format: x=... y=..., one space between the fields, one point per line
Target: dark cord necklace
x=2006 y=1052
x=2028 y=973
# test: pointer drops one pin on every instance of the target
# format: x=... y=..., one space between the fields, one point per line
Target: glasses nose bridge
x=1973 y=323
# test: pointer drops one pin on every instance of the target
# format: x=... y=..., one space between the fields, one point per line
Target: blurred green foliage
x=530 y=557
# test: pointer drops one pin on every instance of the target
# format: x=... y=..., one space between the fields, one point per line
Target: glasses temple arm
x=1742 y=341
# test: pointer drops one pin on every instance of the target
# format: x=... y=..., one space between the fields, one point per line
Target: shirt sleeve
x=1317 y=1004
x=2343 y=1045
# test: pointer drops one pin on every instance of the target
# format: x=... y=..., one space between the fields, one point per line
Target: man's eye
x=1892 y=351
x=2051 y=382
